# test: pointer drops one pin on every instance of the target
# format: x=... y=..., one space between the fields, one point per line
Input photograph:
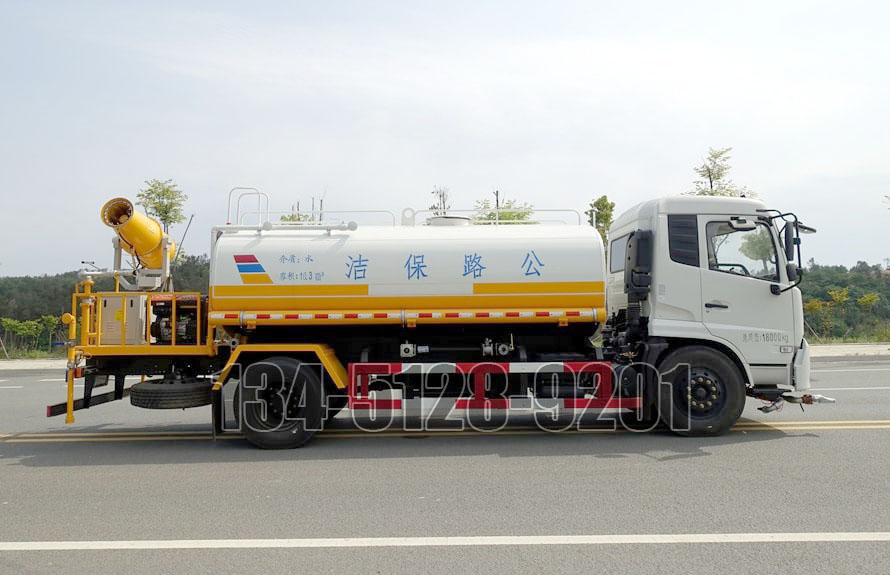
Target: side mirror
x=638 y=265
x=793 y=271
x=789 y=243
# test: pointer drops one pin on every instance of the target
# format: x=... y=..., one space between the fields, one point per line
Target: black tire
x=160 y=394
x=335 y=404
x=715 y=385
x=280 y=403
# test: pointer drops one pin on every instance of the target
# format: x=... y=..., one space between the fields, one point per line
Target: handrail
x=283 y=213
x=260 y=196
x=246 y=191
x=269 y=226
x=409 y=217
x=497 y=212
x=90 y=316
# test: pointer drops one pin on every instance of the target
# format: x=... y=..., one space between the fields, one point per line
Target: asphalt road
x=435 y=502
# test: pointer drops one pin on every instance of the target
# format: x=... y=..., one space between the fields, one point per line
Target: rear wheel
x=280 y=403
x=703 y=392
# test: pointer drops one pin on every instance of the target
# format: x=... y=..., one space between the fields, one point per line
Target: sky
x=376 y=103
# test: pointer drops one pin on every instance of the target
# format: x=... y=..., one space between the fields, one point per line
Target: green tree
x=714 y=178
x=295 y=216
x=192 y=273
x=839 y=296
x=509 y=211
x=600 y=215
x=163 y=200
x=49 y=324
x=868 y=301
x=758 y=246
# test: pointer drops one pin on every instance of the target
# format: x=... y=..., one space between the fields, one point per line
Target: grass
x=56 y=353
x=849 y=339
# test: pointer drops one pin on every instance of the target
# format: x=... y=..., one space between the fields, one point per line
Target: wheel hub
x=703 y=392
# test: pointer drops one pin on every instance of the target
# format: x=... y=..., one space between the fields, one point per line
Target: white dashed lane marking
x=849 y=370
x=478 y=541
x=846 y=388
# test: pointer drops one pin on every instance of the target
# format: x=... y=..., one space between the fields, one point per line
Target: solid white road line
x=54 y=380
x=849 y=370
x=846 y=388
x=483 y=541
x=10 y=386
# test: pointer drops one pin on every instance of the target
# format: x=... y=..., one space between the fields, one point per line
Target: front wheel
x=702 y=391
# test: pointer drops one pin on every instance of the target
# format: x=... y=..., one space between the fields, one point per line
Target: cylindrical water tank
x=420 y=270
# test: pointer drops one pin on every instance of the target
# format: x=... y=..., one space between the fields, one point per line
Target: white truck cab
x=711 y=273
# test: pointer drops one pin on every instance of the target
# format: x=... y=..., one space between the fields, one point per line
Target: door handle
x=716 y=305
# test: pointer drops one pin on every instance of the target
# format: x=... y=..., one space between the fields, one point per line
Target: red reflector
x=380 y=315
x=231 y=316
x=321 y=316
x=573 y=313
x=246 y=259
x=542 y=313
x=452 y=315
x=512 y=314
x=262 y=316
x=428 y=315
x=352 y=316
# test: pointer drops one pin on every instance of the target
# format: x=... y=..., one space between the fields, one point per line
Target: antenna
x=182 y=239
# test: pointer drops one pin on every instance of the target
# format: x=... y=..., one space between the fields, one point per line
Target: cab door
x=740 y=303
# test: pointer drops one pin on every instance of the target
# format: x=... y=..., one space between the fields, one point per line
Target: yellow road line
x=828 y=422
x=107 y=433
x=346 y=434
x=811 y=428
x=112 y=439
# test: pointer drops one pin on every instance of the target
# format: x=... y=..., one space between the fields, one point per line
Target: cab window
x=617 y=253
x=750 y=253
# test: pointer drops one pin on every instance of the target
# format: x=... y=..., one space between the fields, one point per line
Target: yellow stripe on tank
x=247 y=302
x=538 y=287
x=256 y=278
x=288 y=290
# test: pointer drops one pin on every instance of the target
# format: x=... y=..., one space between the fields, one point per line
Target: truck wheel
x=706 y=398
x=281 y=403
x=334 y=406
x=160 y=394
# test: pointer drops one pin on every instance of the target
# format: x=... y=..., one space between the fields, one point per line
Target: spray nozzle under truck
x=697 y=307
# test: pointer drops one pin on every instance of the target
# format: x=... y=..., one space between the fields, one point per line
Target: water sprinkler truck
x=691 y=308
